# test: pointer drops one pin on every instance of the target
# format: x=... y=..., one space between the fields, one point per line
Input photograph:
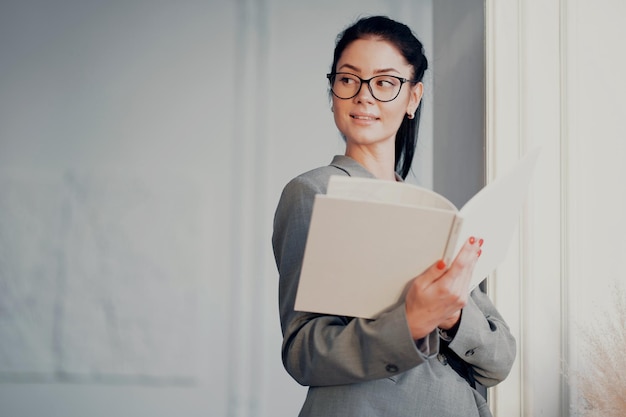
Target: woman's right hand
x=438 y=293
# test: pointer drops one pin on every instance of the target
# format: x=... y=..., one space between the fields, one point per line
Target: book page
x=493 y=215
x=392 y=192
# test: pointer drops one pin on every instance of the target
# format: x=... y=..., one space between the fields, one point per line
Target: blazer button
x=391 y=368
x=470 y=352
x=442 y=358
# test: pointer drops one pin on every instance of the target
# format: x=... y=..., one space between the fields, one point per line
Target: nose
x=364 y=92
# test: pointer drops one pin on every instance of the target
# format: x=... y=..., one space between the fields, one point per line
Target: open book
x=369 y=238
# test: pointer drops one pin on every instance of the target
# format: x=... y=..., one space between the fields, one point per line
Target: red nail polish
x=480 y=242
x=441 y=265
x=480 y=251
x=472 y=240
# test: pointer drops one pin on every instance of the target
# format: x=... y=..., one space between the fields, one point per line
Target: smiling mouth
x=360 y=117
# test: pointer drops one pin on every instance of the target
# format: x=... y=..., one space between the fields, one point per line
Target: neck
x=379 y=161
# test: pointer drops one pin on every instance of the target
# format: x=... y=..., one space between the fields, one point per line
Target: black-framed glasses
x=345 y=85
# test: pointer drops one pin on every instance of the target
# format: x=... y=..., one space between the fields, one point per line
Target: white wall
x=555 y=79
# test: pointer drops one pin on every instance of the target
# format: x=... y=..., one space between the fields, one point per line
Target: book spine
x=453 y=237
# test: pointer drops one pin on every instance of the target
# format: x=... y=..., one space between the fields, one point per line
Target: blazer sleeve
x=322 y=349
x=484 y=341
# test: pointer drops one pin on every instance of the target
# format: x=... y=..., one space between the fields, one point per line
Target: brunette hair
x=401 y=36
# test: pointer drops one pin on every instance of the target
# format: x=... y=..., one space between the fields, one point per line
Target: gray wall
x=143 y=147
x=459 y=98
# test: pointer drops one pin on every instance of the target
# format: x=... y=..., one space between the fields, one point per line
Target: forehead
x=371 y=54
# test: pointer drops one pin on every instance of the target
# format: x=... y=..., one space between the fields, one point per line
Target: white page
x=392 y=192
x=493 y=213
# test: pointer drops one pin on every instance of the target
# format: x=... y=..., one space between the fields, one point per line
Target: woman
x=424 y=356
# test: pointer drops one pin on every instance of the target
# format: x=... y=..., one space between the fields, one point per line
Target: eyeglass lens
x=382 y=87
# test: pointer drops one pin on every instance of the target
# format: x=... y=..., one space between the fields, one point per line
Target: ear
x=415 y=97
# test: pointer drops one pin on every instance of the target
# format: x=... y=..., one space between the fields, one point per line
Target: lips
x=363 y=116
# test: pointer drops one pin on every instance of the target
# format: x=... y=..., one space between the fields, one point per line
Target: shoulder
x=296 y=201
x=316 y=180
x=299 y=194
x=293 y=213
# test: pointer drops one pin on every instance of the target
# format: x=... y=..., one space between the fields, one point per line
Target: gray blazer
x=365 y=368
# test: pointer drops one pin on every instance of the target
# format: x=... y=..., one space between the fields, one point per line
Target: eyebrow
x=378 y=71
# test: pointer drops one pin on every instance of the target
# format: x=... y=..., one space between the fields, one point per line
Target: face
x=363 y=120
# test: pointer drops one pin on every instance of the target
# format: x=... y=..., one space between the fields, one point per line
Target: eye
x=387 y=82
x=346 y=79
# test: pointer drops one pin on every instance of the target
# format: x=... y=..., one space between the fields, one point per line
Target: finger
x=463 y=266
x=432 y=274
x=470 y=251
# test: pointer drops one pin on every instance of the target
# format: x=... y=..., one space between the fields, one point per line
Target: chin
x=368 y=139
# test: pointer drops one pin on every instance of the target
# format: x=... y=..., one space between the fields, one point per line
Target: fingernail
x=472 y=240
x=480 y=242
x=441 y=265
x=480 y=251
